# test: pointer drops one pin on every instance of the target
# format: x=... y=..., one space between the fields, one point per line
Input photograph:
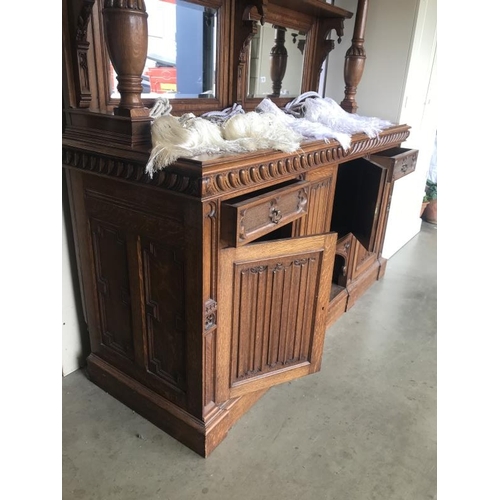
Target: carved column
x=82 y=81
x=355 y=59
x=278 y=59
x=126 y=35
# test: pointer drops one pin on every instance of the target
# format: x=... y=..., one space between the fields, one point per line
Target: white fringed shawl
x=305 y=127
x=309 y=116
x=327 y=112
x=190 y=136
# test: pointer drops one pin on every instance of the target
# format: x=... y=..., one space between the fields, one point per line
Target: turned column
x=126 y=35
x=278 y=59
x=355 y=59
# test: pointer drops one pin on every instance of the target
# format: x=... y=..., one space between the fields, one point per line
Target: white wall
x=398 y=85
x=71 y=337
x=75 y=339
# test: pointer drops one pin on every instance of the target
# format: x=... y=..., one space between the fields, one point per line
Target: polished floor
x=363 y=428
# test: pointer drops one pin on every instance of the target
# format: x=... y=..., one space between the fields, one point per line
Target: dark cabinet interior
x=358 y=194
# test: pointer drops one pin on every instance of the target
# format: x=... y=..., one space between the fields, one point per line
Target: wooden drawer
x=402 y=161
x=344 y=245
x=249 y=217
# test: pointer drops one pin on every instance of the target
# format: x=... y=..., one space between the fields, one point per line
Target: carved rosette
x=210 y=314
x=126 y=20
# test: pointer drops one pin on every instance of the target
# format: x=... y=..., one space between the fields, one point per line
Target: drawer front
x=246 y=219
x=402 y=161
x=405 y=164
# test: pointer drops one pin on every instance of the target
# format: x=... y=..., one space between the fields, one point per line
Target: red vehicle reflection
x=162 y=74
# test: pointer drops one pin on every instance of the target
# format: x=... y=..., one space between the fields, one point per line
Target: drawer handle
x=275 y=215
x=404 y=167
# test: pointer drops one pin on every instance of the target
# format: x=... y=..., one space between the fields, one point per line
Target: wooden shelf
x=316 y=8
x=335 y=290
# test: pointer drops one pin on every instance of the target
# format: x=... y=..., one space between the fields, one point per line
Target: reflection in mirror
x=276 y=62
x=181 y=51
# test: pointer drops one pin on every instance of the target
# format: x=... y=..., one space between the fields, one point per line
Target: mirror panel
x=182 y=43
x=276 y=62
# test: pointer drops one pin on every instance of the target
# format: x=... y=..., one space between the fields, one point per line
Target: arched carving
x=326 y=45
x=260 y=5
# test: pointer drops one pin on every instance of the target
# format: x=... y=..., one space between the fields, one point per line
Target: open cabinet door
x=272 y=308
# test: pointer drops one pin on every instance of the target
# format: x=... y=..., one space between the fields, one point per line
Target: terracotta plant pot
x=430 y=212
x=424 y=206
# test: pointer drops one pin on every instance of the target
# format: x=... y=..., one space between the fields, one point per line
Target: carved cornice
x=294 y=164
x=130 y=171
x=231 y=179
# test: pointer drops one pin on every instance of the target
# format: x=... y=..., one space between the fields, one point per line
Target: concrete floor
x=362 y=428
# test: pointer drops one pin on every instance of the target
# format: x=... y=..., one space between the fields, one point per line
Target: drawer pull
x=275 y=215
x=404 y=167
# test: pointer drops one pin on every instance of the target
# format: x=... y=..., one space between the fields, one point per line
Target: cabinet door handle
x=275 y=215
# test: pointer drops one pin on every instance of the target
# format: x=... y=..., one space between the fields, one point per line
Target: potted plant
x=429 y=213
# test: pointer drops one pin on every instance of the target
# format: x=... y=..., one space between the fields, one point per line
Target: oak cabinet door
x=273 y=300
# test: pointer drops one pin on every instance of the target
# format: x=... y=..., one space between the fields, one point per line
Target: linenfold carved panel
x=113 y=290
x=314 y=221
x=273 y=326
x=164 y=289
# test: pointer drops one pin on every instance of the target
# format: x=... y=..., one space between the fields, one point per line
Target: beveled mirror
x=181 y=54
x=276 y=62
